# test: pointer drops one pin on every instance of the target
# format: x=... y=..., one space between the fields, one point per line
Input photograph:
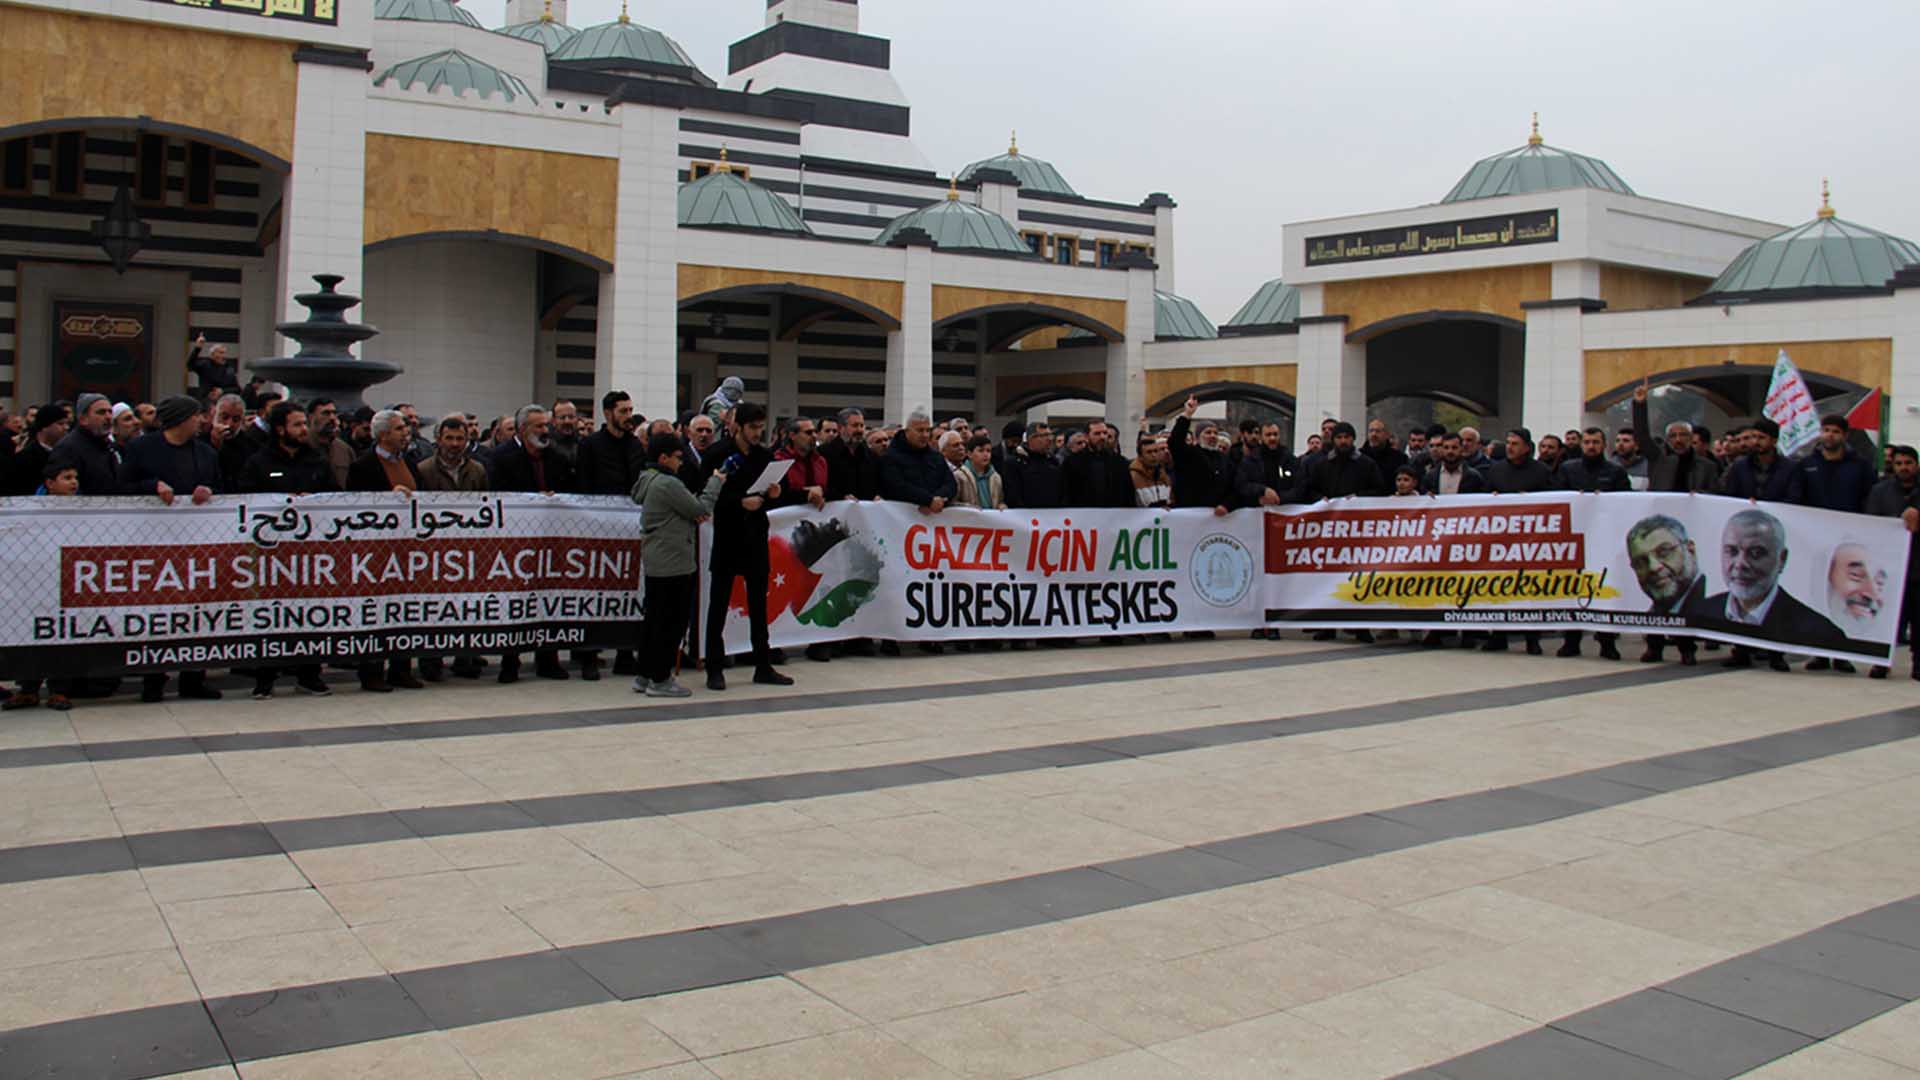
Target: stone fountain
x=323 y=367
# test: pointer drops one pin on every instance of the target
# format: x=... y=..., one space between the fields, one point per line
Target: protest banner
x=124 y=585
x=886 y=570
x=1763 y=574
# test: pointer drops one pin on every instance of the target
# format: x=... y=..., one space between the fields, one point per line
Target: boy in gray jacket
x=669 y=514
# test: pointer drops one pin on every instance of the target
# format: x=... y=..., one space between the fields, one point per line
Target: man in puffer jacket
x=669 y=514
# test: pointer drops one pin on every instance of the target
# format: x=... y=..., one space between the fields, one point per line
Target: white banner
x=1767 y=574
x=1790 y=404
x=117 y=585
x=886 y=570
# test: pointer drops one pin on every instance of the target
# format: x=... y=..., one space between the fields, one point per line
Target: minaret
x=526 y=11
x=832 y=14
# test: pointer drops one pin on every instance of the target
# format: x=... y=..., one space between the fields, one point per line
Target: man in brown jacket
x=449 y=468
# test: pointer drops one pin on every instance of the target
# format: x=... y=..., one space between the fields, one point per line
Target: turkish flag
x=789 y=582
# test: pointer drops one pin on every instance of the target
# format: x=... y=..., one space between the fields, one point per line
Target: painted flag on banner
x=1866 y=416
x=1790 y=404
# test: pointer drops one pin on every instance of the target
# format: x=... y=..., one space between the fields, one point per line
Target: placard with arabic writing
x=1471 y=234
x=307 y=11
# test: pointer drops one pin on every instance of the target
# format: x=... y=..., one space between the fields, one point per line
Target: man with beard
x=1380 y=450
x=1518 y=472
x=1667 y=566
x=126 y=425
x=1098 y=477
x=1319 y=449
x=1676 y=466
x=565 y=422
x=1450 y=474
x=162 y=463
x=852 y=473
x=451 y=468
x=1899 y=496
x=1753 y=554
x=1553 y=452
x=527 y=464
x=608 y=462
x=1833 y=477
x=290 y=466
x=1342 y=472
x=88 y=448
x=226 y=433
x=1473 y=453
x=323 y=426
x=740 y=546
x=1265 y=476
x=46 y=429
x=1033 y=479
x=1592 y=472
x=1856 y=590
x=700 y=440
x=806 y=480
x=387 y=468
x=1761 y=474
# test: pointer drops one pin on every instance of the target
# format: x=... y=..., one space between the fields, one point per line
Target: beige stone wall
x=1629 y=289
x=1495 y=291
x=417 y=186
x=54 y=65
x=700 y=280
x=951 y=300
x=1166 y=382
x=1867 y=361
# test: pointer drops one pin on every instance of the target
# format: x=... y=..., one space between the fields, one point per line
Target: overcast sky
x=1252 y=113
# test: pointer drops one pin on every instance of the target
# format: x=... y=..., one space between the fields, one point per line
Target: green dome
x=444 y=11
x=1275 y=304
x=1824 y=255
x=547 y=33
x=622 y=45
x=1535 y=167
x=458 y=72
x=1176 y=318
x=723 y=200
x=1033 y=174
x=960 y=226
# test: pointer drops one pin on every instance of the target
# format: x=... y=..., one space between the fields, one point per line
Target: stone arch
x=824 y=304
x=1004 y=324
x=1419 y=318
x=1226 y=390
x=1702 y=379
x=494 y=236
x=149 y=126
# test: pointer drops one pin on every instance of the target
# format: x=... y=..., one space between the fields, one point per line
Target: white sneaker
x=642 y=684
x=670 y=688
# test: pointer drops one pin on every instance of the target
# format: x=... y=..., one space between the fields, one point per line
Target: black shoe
x=375 y=685
x=198 y=691
x=1778 y=663
x=1572 y=649
x=858 y=647
x=1844 y=667
x=466 y=668
x=1533 y=645
x=590 y=670
x=551 y=671
x=262 y=691
x=766 y=676
x=405 y=681
x=509 y=672
x=1323 y=635
x=1740 y=660
x=1608 y=651
x=1821 y=663
x=931 y=648
x=1652 y=656
x=1364 y=637
x=1877 y=672
x=625 y=663
x=435 y=674
x=1687 y=660
x=152 y=688
x=889 y=648
x=777 y=656
x=1433 y=639
x=820 y=654
x=716 y=680
x=313 y=687
x=1494 y=644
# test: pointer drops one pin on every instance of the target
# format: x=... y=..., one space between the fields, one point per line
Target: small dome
x=545 y=31
x=1033 y=173
x=1826 y=255
x=960 y=226
x=444 y=11
x=458 y=72
x=1276 y=304
x=1535 y=167
x=625 y=45
x=724 y=200
x=1176 y=318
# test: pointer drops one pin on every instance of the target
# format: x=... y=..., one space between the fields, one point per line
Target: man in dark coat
x=166 y=463
x=607 y=463
x=1898 y=495
x=386 y=467
x=1344 y=471
x=1200 y=478
x=1833 y=477
x=89 y=448
x=1033 y=478
x=913 y=471
x=1518 y=472
x=291 y=466
x=1591 y=471
x=1451 y=475
x=1266 y=475
x=853 y=472
x=1097 y=476
x=528 y=464
x=29 y=463
x=740 y=545
x=1761 y=474
x=1386 y=457
x=1674 y=465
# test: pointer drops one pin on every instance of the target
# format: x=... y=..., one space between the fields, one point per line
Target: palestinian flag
x=818 y=572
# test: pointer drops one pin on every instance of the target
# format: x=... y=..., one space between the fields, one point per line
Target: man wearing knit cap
x=89 y=448
x=48 y=427
x=167 y=463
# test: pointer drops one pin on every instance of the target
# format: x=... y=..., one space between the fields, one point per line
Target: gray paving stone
x=315 y=1017
x=1547 y=1054
x=1797 y=1000
x=156 y=1041
x=1276 y=853
x=1684 y=1034
x=1182 y=872
x=465 y=819
x=815 y=938
x=1591 y=790
x=953 y=914
x=344 y=830
x=582 y=809
x=462 y=994
x=1366 y=834
x=176 y=846
x=1849 y=958
x=667 y=963
x=1898 y=923
x=689 y=798
x=1067 y=894
x=810 y=785
x=103 y=856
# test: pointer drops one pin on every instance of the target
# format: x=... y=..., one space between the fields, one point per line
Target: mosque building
x=545 y=211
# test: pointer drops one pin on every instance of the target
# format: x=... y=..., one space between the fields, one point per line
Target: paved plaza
x=1193 y=859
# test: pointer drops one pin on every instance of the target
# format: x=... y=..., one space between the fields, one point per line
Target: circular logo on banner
x=1222 y=569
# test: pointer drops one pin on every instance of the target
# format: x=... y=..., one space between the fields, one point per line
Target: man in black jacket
x=1033 y=478
x=1097 y=476
x=163 y=463
x=1674 y=465
x=1591 y=471
x=1898 y=496
x=528 y=464
x=1450 y=474
x=1344 y=471
x=913 y=471
x=1200 y=478
x=88 y=448
x=1266 y=473
x=1380 y=450
x=386 y=467
x=49 y=426
x=212 y=368
x=608 y=463
x=1518 y=472
x=290 y=466
x=740 y=545
x=853 y=472
x=1761 y=474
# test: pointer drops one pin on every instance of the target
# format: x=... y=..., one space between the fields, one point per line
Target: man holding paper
x=740 y=542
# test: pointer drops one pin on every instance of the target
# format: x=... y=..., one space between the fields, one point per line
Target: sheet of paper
x=775 y=473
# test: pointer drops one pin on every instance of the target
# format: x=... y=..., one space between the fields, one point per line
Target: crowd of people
x=684 y=470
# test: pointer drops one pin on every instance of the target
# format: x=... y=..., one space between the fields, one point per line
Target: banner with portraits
x=1763 y=574
x=885 y=570
x=114 y=586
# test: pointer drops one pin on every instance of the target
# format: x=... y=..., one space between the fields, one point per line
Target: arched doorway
x=802 y=349
x=1450 y=367
x=1718 y=396
x=209 y=206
